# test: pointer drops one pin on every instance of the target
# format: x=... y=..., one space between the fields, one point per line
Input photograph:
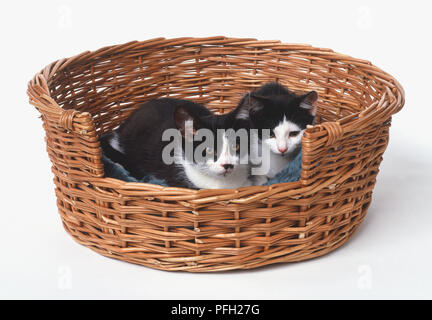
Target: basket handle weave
x=82 y=156
x=69 y=119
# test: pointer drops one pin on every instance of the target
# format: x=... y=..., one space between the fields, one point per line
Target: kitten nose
x=282 y=150
x=227 y=166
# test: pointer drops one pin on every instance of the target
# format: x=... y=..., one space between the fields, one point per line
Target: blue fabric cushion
x=115 y=170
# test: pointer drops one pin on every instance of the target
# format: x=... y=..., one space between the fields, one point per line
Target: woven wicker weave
x=214 y=230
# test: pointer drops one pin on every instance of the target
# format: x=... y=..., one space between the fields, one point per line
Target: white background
x=388 y=257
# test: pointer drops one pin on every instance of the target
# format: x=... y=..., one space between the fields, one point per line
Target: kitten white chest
x=269 y=163
x=277 y=164
x=272 y=163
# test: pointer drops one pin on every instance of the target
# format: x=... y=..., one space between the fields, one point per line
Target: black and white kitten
x=274 y=107
x=138 y=146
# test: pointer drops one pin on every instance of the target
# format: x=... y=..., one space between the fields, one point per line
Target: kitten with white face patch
x=286 y=114
x=138 y=145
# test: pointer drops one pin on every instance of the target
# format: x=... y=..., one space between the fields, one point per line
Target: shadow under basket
x=168 y=228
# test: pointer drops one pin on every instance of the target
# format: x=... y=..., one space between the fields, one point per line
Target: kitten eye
x=294 y=133
x=209 y=150
x=235 y=146
x=272 y=134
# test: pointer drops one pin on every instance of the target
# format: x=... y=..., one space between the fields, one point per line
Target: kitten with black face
x=138 y=145
x=274 y=107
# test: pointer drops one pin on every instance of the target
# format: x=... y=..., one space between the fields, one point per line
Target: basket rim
x=390 y=103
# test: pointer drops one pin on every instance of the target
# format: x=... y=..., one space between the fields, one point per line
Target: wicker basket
x=214 y=230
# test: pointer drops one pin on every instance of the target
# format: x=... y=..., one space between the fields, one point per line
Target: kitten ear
x=185 y=122
x=262 y=99
x=308 y=102
x=250 y=104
